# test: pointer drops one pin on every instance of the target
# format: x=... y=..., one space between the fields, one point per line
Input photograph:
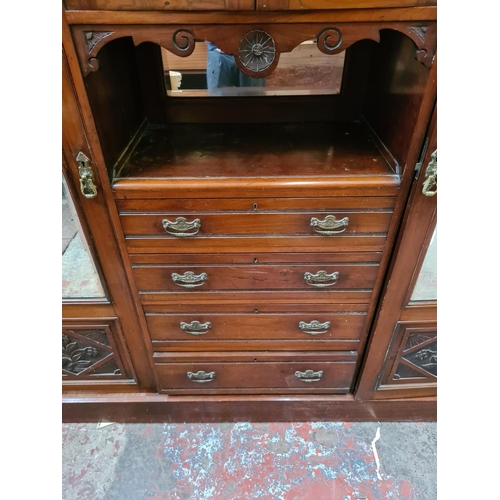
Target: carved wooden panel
x=94 y=350
x=256 y=48
x=412 y=356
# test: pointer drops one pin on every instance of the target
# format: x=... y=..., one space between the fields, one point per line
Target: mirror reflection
x=210 y=72
x=79 y=275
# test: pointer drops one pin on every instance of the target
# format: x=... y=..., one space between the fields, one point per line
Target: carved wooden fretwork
x=88 y=353
x=420 y=31
x=256 y=48
x=92 y=38
x=418 y=358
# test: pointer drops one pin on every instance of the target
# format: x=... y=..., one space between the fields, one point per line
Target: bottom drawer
x=256 y=372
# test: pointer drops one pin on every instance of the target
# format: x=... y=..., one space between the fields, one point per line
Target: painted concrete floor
x=270 y=461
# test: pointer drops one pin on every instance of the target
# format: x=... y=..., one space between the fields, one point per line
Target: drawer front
x=182 y=206
x=214 y=332
x=182 y=226
x=317 y=277
x=268 y=244
x=257 y=372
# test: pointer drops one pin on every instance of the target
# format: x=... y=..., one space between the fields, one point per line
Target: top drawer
x=268 y=224
x=323 y=216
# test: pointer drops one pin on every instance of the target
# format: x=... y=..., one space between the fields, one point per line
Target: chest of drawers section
x=225 y=282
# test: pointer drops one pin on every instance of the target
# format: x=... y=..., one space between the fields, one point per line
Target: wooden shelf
x=222 y=151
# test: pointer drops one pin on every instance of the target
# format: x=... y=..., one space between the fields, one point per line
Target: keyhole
x=256 y=310
x=255 y=206
x=255 y=260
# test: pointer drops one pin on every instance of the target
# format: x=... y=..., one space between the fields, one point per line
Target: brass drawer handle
x=309 y=376
x=314 y=327
x=201 y=377
x=429 y=187
x=329 y=225
x=189 y=279
x=321 y=279
x=181 y=227
x=195 y=327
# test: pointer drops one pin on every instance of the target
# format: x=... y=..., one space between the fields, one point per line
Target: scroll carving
x=329 y=40
x=183 y=42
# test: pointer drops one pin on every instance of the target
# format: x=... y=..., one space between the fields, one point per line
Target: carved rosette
x=257 y=51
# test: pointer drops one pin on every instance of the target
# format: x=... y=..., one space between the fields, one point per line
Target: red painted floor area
x=285 y=461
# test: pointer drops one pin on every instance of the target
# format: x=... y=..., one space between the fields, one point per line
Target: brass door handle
x=87 y=186
x=429 y=187
x=195 y=327
x=321 y=279
x=314 y=327
x=309 y=376
x=329 y=225
x=189 y=279
x=201 y=377
x=181 y=227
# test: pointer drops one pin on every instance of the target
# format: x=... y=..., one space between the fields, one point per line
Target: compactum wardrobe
x=249 y=200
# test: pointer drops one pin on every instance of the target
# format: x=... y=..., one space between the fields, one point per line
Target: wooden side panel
x=114 y=92
x=396 y=92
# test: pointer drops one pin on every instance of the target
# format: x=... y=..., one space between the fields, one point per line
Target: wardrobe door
x=102 y=344
x=402 y=354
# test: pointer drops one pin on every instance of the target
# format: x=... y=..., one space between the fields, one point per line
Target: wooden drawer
x=270 y=224
x=260 y=225
x=212 y=278
x=257 y=331
x=255 y=372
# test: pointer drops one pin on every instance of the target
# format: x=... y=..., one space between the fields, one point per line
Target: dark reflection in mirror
x=210 y=72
